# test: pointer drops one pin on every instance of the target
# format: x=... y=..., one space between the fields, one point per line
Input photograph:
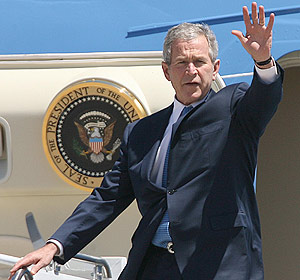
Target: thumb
x=239 y=35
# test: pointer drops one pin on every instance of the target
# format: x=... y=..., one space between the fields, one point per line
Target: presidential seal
x=83 y=129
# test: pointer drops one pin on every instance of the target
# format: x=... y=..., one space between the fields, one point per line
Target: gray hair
x=188 y=31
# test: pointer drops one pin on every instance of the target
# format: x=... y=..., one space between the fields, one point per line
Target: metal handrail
x=38 y=242
x=98 y=261
x=23 y=272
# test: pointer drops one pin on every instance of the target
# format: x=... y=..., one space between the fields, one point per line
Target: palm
x=258 y=38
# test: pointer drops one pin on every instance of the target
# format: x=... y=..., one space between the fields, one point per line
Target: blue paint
x=79 y=26
x=142 y=31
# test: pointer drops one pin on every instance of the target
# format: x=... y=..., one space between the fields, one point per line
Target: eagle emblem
x=95 y=135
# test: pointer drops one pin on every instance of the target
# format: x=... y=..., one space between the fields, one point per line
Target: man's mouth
x=191 y=84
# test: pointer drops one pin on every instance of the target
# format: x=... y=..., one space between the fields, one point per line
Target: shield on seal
x=96 y=144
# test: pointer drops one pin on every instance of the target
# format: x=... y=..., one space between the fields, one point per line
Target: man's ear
x=165 y=68
x=216 y=69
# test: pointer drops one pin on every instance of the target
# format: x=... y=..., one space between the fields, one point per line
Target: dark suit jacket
x=214 y=220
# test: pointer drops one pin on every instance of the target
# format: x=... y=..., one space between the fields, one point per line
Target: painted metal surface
x=117 y=26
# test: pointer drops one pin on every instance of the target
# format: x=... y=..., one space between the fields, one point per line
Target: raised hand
x=258 y=38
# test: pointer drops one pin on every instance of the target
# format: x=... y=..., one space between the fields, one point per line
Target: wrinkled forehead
x=197 y=46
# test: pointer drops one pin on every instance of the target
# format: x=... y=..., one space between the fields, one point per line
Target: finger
x=24 y=262
x=246 y=17
x=261 y=15
x=40 y=264
x=237 y=33
x=240 y=36
x=16 y=267
x=21 y=263
x=254 y=13
x=270 y=23
x=37 y=267
x=11 y=275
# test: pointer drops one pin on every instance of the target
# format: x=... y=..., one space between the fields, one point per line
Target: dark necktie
x=162 y=236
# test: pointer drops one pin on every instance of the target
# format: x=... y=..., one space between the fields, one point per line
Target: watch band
x=265 y=62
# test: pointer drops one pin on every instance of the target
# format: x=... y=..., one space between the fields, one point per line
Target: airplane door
x=278 y=182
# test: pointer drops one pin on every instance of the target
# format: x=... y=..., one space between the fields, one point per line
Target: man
x=191 y=174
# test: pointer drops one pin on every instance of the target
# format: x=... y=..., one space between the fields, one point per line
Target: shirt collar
x=178 y=106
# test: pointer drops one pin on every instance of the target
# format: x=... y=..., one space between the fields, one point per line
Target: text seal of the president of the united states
x=83 y=129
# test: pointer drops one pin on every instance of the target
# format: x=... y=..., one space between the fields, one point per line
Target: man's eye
x=199 y=62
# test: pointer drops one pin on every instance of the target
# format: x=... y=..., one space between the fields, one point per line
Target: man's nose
x=191 y=68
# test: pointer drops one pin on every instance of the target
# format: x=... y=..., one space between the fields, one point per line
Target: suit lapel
x=156 y=129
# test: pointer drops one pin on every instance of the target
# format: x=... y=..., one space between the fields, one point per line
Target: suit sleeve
x=96 y=212
x=254 y=107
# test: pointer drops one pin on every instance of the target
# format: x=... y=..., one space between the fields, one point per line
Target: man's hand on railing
x=39 y=258
x=23 y=273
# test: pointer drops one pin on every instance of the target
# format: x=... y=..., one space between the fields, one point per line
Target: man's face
x=191 y=71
